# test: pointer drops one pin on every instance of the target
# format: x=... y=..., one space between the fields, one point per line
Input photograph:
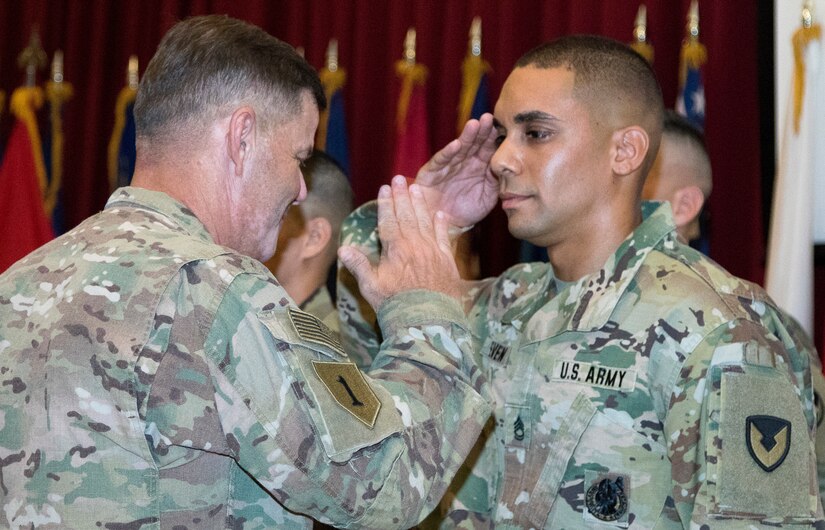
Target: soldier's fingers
x=404 y=213
x=442 y=237
x=357 y=263
x=422 y=212
x=387 y=224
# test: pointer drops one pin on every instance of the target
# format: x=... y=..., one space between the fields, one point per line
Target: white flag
x=789 y=275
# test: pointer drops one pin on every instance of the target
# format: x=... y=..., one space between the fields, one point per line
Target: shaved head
x=614 y=81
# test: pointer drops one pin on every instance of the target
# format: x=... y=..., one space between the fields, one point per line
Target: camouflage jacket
x=319 y=304
x=150 y=378
x=658 y=392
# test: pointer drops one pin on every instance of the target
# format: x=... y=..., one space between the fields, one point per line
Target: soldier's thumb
x=357 y=263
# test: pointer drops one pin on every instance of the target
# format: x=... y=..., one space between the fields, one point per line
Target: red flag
x=23 y=221
x=412 y=147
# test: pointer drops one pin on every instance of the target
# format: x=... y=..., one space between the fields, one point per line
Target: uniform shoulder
x=689 y=279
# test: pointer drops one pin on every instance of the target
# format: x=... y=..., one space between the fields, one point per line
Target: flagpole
x=640 y=42
x=27 y=99
x=58 y=92
x=126 y=97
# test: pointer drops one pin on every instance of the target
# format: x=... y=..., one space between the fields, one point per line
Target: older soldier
x=308 y=239
x=154 y=374
x=637 y=383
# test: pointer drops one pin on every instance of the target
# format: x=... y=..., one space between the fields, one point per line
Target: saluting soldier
x=637 y=383
x=154 y=374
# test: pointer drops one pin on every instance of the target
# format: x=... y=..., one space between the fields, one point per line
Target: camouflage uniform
x=150 y=378
x=319 y=304
x=658 y=392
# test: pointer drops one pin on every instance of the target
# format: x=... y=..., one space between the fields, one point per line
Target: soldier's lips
x=511 y=200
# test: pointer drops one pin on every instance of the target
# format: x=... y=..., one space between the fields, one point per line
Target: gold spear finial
x=332 y=55
x=409 y=46
x=57 y=67
x=640 y=28
x=32 y=58
x=475 y=37
x=807 y=14
x=132 y=78
x=693 y=20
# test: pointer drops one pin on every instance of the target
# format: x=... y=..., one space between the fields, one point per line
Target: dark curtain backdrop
x=97 y=37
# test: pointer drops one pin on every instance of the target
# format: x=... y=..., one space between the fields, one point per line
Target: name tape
x=595 y=375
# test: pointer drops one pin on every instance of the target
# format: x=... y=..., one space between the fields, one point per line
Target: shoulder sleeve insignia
x=768 y=440
x=313 y=330
x=347 y=385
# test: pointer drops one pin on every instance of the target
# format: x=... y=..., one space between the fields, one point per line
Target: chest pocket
x=348 y=411
x=600 y=473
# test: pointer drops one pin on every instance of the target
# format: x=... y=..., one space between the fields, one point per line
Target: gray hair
x=206 y=63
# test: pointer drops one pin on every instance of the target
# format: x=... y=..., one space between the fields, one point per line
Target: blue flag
x=336 y=145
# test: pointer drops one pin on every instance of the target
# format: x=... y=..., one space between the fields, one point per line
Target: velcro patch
x=311 y=329
x=594 y=374
x=347 y=385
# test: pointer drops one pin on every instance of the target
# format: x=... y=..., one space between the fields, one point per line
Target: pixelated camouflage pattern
x=686 y=330
x=150 y=378
x=320 y=305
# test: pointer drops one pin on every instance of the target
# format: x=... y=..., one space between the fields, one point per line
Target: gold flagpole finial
x=640 y=27
x=693 y=20
x=57 y=67
x=475 y=37
x=807 y=14
x=132 y=78
x=409 y=46
x=332 y=55
x=32 y=58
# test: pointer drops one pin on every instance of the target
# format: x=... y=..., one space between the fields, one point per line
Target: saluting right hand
x=457 y=180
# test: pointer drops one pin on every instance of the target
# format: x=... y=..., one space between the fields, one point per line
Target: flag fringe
x=801 y=38
x=24 y=102
x=473 y=68
x=127 y=95
x=411 y=74
x=332 y=82
x=57 y=94
x=692 y=56
x=645 y=49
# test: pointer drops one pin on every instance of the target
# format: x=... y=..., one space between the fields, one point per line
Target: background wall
x=97 y=37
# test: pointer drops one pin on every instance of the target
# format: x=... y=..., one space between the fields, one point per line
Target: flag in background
x=789 y=274
x=474 y=99
x=57 y=93
x=23 y=181
x=412 y=148
x=121 y=161
x=331 y=136
x=691 y=99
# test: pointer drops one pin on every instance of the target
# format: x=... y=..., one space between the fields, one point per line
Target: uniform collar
x=590 y=301
x=161 y=203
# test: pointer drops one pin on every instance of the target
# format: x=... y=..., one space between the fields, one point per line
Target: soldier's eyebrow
x=533 y=115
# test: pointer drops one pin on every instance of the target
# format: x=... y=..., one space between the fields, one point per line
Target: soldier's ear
x=629 y=148
x=317 y=237
x=240 y=138
x=686 y=203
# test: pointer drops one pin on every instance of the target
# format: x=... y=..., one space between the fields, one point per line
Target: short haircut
x=681 y=130
x=329 y=194
x=609 y=75
x=206 y=63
